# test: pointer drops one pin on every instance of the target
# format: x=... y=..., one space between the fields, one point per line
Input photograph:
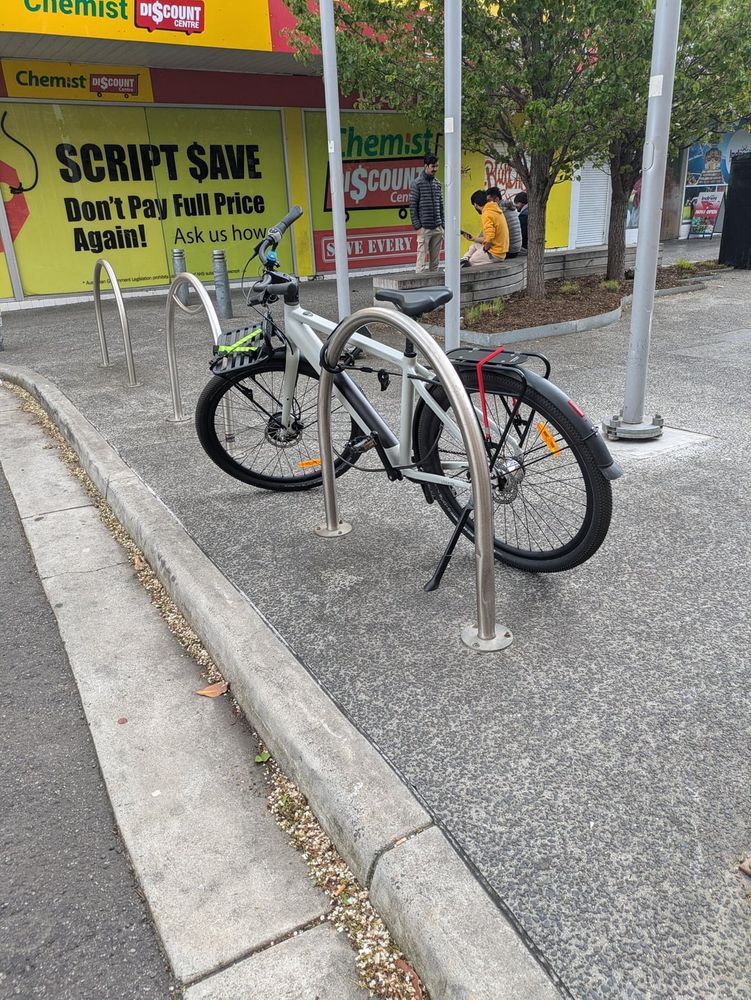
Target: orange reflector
x=310 y=463
x=548 y=438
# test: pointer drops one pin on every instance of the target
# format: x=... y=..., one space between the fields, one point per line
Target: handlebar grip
x=277 y=232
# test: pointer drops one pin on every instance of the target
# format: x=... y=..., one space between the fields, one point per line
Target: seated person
x=512 y=221
x=520 y=200
x=492 y=244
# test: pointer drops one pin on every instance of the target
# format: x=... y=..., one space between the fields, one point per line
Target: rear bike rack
x=487 y=636
x=104 y=265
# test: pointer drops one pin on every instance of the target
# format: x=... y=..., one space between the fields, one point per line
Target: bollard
x=179 y=267
x=221 y=285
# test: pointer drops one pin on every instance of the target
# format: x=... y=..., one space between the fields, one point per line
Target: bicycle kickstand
x=435 y=581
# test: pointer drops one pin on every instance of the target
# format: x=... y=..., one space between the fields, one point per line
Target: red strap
x=481 y=385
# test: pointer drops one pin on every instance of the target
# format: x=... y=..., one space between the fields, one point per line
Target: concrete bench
x=491 y=281
x=479 y=284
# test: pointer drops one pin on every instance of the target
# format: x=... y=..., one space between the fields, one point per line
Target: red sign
x=155 y=15
x=125 y=83
x=390 y=245
x=706 y=211
x=377 y=183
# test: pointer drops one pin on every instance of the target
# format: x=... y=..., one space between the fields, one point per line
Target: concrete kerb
x=560 y=329
x=460 y=943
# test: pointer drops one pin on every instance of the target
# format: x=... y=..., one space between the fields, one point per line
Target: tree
x=528 y=83
x=711 y=93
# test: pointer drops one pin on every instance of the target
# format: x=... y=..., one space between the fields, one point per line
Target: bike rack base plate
x=502 y=639
x=323 y=532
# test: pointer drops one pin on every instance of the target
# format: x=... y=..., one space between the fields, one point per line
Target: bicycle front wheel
x=255 y=446
x=551 y=503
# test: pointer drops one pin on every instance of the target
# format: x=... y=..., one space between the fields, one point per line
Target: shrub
x=569 y=288
x=684 y=265
x=611 y=285
x=474 y=313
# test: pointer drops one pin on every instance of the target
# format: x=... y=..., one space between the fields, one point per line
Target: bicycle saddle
x=415 y=301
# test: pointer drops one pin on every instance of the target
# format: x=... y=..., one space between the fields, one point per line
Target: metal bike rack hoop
x=487 y=636
x=205 y=303
x=105 y=265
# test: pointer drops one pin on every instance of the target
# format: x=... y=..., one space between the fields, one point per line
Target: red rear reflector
x=574 y=407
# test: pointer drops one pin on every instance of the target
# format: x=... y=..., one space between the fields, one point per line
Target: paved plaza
x=595 y=775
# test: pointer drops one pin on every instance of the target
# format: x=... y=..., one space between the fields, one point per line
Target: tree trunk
x=538 y=193
x=617 y=232
x=624 y=172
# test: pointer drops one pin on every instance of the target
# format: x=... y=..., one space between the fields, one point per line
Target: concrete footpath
x=231 y=901
x=566 y=817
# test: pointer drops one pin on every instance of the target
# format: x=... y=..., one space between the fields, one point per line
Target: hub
x=280 y=435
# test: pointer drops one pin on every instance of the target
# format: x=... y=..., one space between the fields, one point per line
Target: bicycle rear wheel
x=260 y=450
x=551 y=503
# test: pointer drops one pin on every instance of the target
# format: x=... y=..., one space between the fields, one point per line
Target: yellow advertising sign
x=6 y=289
x=228 y=183
x=133 y=184
x=225 y=24
x=71 y=82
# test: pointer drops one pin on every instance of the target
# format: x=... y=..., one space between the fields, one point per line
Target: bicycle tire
x=549 y=472
x=259 y=439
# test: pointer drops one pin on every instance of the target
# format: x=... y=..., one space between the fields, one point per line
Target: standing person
x=426 y=212
x=520 y=200
x=512 y=221
x=491 y=245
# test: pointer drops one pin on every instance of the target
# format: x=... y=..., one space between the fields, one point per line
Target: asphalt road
x=73 y=925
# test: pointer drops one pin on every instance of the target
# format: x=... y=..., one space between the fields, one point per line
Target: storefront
x=131 y=161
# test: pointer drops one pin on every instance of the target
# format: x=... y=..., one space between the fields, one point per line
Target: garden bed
x=565 y=300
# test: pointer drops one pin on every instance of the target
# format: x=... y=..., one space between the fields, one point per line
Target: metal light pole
x=336 y=173
x=630 y=424
x=452 y=132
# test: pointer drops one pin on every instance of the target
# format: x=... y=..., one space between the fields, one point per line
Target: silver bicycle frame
x=301 y=329
x=305 y=330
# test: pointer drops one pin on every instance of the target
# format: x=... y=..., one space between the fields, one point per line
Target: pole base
x=502 y=638
x=616 y=429
x=178 y=420
x=325 y=532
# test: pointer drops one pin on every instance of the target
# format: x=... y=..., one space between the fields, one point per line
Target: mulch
x=589 y=298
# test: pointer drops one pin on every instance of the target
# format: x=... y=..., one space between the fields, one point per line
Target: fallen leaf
x=214 y=690
x=339 y=890
x=262 y=758
x=404 y=966
x=139 y=564
x=745 y=865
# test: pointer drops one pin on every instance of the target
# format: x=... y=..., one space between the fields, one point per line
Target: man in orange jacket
x=492 y=244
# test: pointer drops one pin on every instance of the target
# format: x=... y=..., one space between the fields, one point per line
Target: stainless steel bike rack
x=100 y=265
x=205 y=303
x=488 y=635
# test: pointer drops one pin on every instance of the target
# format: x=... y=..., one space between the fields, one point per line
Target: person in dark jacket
x=426 y=212
x=520 y=200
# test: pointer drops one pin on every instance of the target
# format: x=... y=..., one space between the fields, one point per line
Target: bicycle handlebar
x=277 y=232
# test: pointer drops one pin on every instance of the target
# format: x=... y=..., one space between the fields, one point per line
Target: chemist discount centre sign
x=382 y=154
x=132 y=185
x=227 y=24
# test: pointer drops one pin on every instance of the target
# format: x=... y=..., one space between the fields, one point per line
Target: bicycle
x=550 y=469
